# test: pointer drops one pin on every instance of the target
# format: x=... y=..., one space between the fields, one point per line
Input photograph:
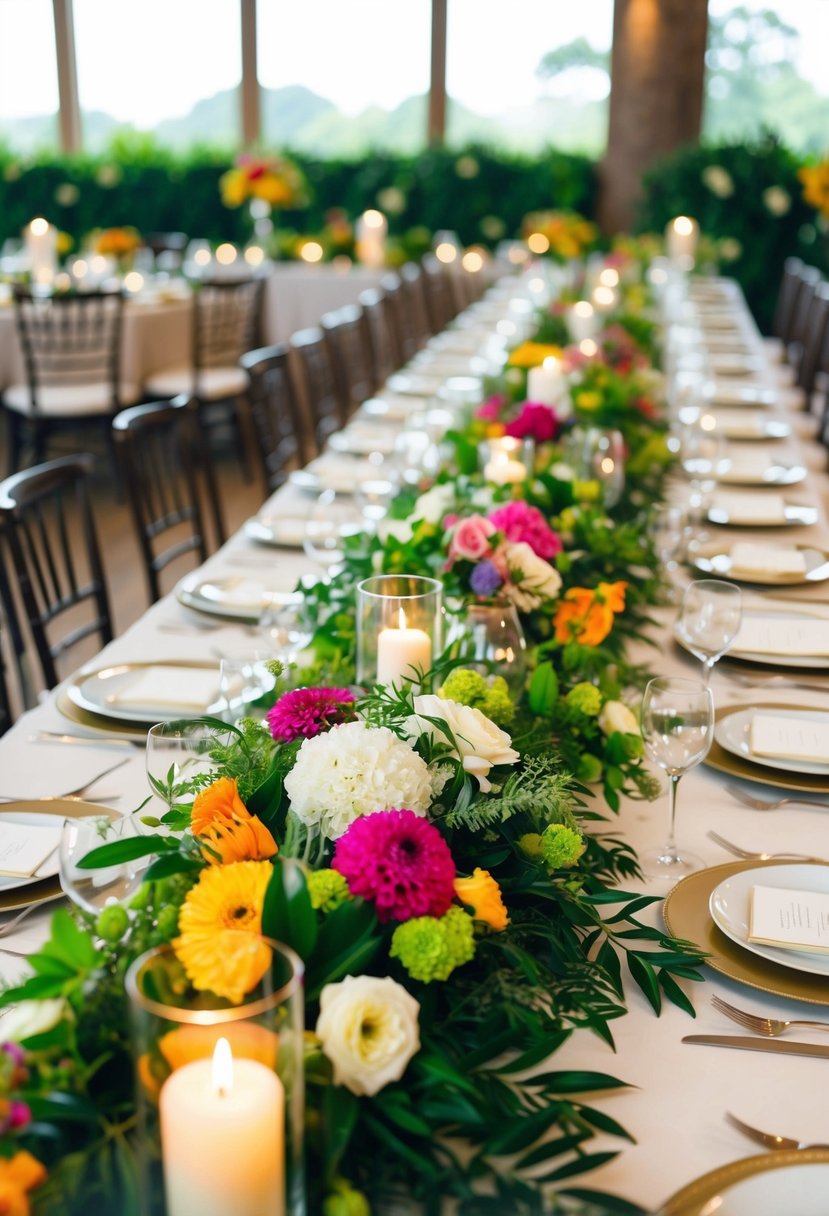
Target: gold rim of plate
x=693 y=1198
x=687 y=916
x=701 y=559
x=47 y=889
x=782 y=779
x=187 y=594
x=131 y=728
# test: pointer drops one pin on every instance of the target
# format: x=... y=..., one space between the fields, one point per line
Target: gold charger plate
x=736 y=766
x=716 y=561
x=75 y=694
x=694 y=1198
x=686 y=915
x=48 y=888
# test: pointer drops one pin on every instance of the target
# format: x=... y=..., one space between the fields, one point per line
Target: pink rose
x=536 y=421
x=520 y=522
x=470 y=540
x=490 y=410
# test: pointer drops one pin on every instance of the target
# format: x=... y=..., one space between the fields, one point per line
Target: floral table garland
x=458 y=880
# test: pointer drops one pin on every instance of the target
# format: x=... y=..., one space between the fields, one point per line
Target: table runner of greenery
x=458 y=859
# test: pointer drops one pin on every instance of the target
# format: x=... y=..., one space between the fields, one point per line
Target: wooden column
x=70 y=108
x=437 y=84
x=657 y=72
x=249 y=90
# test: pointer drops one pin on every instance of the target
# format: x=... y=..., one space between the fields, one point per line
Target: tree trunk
x=657 y=71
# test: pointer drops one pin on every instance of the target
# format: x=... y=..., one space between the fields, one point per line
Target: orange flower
x=815 y=179
x=586 y=616
x=222 y=821
x=482 y=894
x=117 y=242
x=19 y=1174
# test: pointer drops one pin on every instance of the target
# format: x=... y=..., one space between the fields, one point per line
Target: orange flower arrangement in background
x=586 y=616
x=273 y=179
x=117 y=242
x=815 y=179
x=18 y=1175
x=222 y=822
x=568 y=234
x=482 y=894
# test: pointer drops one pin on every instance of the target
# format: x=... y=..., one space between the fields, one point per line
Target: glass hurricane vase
x=489 y=639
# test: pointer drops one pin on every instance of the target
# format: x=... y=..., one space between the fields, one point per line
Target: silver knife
x=745 y=1043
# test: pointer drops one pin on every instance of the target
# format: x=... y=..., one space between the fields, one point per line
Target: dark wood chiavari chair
x=384 y=360
x=282 y=437
x=347 y=338
x=316 y=384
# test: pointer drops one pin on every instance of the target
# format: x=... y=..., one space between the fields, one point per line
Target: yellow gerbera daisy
x=220 y=923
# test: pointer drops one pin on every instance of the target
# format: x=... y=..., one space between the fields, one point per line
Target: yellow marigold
x=225 y=825
x=815 y=179
x=533 y=354
x=220 y=922
x=19 y=1174
x=482 y=894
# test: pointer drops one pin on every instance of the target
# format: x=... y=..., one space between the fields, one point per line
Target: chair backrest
x=399 y=318
x=226 y=321
x=70 y=340
x=441 y=306
x=316 y=383
x=164 y=460
x=814 y=357
x=282 y=435
x=786 y=296
x=384 y=358
x=414 y=292
x=53 y=554
x=6 y=717
x=809 y=279
x=347 y=338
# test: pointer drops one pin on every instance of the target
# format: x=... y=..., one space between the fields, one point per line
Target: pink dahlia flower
x=305 y=712
x=520 y=522
x=400 y=862
x=536 y=421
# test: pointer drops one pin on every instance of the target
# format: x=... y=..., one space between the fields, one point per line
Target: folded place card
x=24 y=847
x=791 y=920
x=766 y=561
x=799 y=638
x=788 y=737
x=177 y=688
x=750 y=508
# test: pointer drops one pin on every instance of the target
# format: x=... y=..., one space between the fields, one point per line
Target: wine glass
x=677 y=729
x=704 y=456
x=178 y=752
x=709 y=620
x=374 y=499
x=667 y=530
x=286 y=626
x=333 y=520
x=96 y=889
x=489 y=639
x=245 y=682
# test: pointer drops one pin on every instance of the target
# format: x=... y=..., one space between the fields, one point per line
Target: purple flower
x=485 y=579
x=398 y=861
x=306 y=712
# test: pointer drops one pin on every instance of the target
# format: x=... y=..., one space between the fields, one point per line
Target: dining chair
x=283 y=438
x=347 y=339
x=786 y=296
x=440 y=304
x=414 y=293
x=814 y=358
x=810 y=276
x=226 y=323
x=167 y=469
x=316 y=385
x=71 y=347
x=52 y=559
x=403 y=334
x=6 y=715
x=384 y=359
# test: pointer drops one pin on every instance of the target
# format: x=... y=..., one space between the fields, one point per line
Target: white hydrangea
x=353 y=770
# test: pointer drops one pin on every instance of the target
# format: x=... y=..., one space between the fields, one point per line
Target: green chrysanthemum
x=431 y=948
x=586 y=698
x=561 y=846
x=491 y=697
x=328 y=889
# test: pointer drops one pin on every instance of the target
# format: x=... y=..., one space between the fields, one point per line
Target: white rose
x=399 y=529
x=434 y=504
x=562 y=471
x=615 y=715
x=28 y=1018
x=531 y=579
x=479 y=742
x=368 y=1028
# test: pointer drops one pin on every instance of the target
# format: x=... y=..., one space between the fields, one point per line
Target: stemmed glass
x=178 y=752
x=245 y=682
x=667 y=529
x=96 y=889
x=709 y=620
x=286 y=626
x=333 y=519
x=677 y=729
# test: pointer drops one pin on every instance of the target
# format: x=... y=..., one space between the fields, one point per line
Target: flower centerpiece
x=118 y=243
x=567 y=234
x=274 y=180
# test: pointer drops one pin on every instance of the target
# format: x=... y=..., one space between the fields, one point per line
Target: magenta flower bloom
x=399 y=862
x=305 y=712
x=536 y=421
x=520 y=522
x=490 y=410
x=16 y=1115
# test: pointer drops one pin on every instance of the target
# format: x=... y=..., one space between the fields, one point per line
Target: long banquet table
x=675 y=1108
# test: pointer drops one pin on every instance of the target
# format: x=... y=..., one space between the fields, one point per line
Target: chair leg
x=242 y=440
x=39 y=442
x=14 y=439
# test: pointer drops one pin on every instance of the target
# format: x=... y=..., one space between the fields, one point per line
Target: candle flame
x=552 y=363
x=373 y=219
x=583 y=309
x=39 y=227
x=683 y=225
x=401 y=618
x=222 y=1067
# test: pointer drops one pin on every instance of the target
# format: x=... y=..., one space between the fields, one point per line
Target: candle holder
x=220 y=1090
x=506 y=461
x=489 y=639
x=399 y=620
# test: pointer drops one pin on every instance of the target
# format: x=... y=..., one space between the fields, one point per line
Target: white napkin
x=286 y=529
x=761 y=561
x=414 y=385
x=788 y=737
x=720 y=392
x=169 y=688
x=334 y=473
x=237 y=593
x=394 y=407
x=748 y=467
x=801 y=637
x=750 y=508
x=45 y=769
x=743 y=424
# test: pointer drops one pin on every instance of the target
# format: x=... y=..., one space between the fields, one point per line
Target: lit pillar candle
x=682 y=237
x=582 y=321
x=545 y=384
x=370 y=235
x=504 y=470
x=401 y=652
x=222 y=1138
x=604 y=298
x=41 y=241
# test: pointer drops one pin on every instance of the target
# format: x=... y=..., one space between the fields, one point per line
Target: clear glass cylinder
x=399 y=618
x=506 y=461
x=490 y=639
x=220 y=1088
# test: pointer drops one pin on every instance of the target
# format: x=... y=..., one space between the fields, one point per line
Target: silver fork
x=770 y=1027
x=770 y=804
x=767 y=1138
x=77 y=795
x=749 y=856
x=11 y=924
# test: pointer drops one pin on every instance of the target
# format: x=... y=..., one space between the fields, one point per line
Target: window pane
x=339 y=78
x=174 y=69
x=492 y=75
x=28 y=75
x=767 y=72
